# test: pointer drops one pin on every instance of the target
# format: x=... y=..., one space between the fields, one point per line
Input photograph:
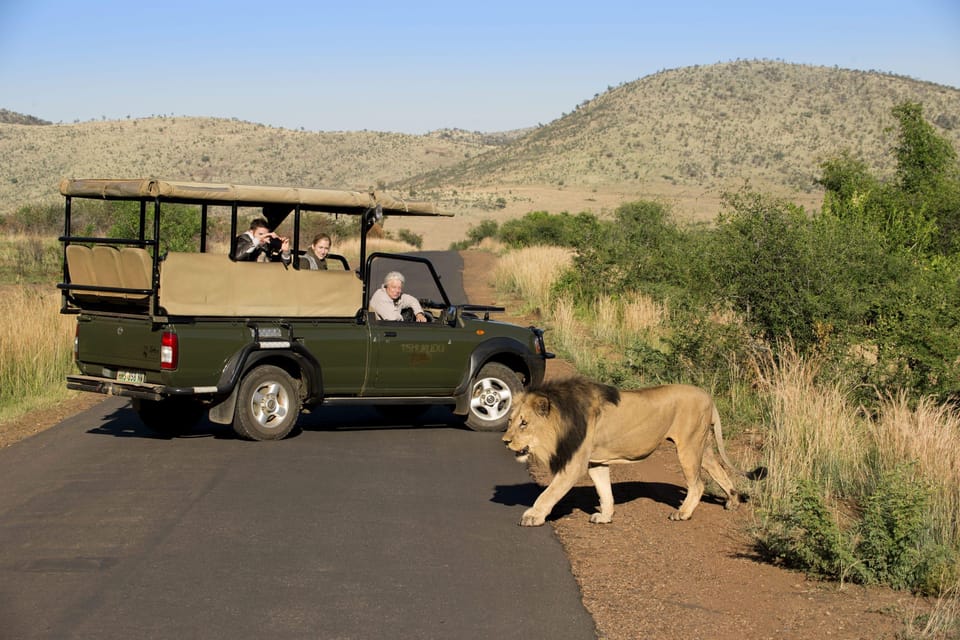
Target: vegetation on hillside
x=12 y=117
x=702 y=129
x=838 y=331
x=712 y=126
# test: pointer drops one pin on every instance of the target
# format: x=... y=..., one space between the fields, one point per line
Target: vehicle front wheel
x=268 y=404
x=171 y=416
x=494 y=389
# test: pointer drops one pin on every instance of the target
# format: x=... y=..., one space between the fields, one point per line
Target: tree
x=928 y=174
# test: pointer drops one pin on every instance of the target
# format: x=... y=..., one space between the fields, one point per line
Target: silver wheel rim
x=270 y=404
x=491 y=399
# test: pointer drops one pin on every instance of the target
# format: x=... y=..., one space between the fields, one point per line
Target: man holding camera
x=259 y=244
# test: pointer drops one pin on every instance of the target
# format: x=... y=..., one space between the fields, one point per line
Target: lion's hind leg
x=691 y=459
x=719 y=475
x=600 y=474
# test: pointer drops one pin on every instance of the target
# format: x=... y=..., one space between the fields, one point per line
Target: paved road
x=354 y=528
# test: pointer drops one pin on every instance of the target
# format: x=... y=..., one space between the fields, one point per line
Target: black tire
x=493 y=390
x=268 y=404
x=170 y=416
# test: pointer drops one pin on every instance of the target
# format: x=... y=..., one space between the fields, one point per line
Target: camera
x=272 y=246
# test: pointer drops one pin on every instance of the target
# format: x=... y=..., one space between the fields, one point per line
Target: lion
x=576 y=425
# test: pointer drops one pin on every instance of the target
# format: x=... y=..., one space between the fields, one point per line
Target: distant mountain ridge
x=12 y=117
x=698 y=130
x=769 y=122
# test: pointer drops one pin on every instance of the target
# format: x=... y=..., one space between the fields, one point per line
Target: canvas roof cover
x=310 y=199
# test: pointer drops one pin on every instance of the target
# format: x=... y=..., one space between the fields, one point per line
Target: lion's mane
x=576 y=402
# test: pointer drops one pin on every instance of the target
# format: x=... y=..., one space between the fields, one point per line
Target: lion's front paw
x=531 y=519
x=599 y=518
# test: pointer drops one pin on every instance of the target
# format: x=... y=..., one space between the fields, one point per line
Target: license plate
x=136 y=377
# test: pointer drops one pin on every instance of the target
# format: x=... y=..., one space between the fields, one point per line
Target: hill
x=34 y=158
x=682 y=135
x=12 y=117
x=689 y=134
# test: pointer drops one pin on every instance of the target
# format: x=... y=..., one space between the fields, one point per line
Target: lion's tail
x=757 y=474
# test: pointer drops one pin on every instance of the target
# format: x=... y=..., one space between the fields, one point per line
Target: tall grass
x=928 y=434
x=29 y=258
x=812 y=432
x=36 y=349
x=531 y=272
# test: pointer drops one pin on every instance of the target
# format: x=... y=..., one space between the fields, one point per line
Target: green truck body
x=250 y=344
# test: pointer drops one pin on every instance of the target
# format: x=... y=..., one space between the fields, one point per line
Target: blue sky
x=417 y=66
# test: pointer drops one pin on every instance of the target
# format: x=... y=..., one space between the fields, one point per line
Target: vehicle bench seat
x=106 y=266
x=205 y=284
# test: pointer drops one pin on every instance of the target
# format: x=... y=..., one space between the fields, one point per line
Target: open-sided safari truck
x=254 y=343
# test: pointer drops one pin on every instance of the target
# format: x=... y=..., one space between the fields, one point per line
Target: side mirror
x=450 y=315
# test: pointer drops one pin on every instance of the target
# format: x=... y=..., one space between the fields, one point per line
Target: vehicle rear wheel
x=170 y=416
x=268 y=404
x=494 y=389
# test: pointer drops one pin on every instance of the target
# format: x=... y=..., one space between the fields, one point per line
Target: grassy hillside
x=682 y=135
x=34 y=158
x=710 y=127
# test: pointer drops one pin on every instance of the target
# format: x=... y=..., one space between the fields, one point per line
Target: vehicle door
x=414 y=358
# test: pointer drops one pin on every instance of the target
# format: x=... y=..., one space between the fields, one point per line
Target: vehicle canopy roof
x=308 y=199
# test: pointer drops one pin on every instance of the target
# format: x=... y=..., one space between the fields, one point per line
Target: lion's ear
x=541 y=406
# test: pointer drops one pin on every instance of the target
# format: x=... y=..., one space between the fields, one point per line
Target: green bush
x=37 y=219
x=640 y=249
x=410 y=237
x=542 y=228
x=806 y=536
x=891 y=531
x=476 y=234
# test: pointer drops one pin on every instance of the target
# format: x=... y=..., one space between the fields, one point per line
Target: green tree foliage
x=854 y=195
x=762 y=262
x=542 y=228
x=179 y=225
x=928 y=174
x=639 y=249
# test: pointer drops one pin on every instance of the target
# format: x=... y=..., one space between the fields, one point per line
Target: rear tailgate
x=109 y=346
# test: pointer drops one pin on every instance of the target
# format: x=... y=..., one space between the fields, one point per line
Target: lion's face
x=523 y=431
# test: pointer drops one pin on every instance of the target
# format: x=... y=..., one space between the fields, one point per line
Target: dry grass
x=350 y=248
x=36 y=349
x=929 y=435
x=531 y=272
x=813 y=432
x=620 y=321
x=28 y=258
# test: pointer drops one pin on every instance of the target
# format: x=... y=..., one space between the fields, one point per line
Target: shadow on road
x=124 y=423
x=584 y=498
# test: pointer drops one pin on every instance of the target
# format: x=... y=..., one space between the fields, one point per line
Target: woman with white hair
x=389 y=301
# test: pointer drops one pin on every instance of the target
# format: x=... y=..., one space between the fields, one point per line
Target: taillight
x=169 y=350
x=76 y=344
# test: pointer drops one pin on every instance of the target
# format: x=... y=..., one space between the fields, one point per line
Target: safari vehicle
x=253 y=344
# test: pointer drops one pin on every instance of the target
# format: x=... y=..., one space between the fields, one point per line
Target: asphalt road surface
x=355 y=527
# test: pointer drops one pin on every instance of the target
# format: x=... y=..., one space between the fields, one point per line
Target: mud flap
x=222 y=412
